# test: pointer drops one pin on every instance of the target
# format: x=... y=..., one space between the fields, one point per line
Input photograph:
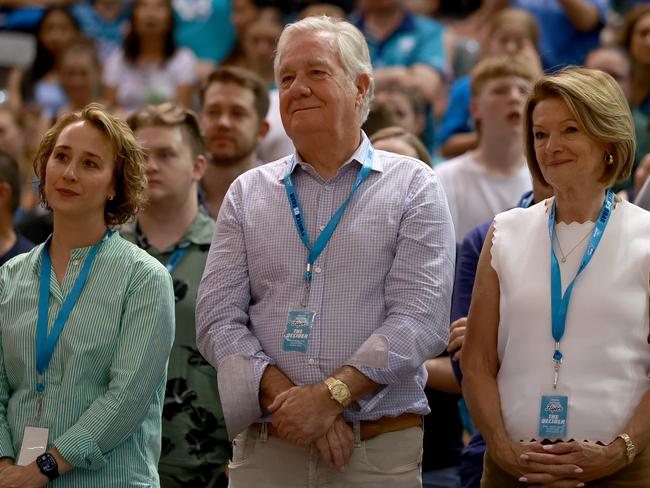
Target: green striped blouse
x=105 y=384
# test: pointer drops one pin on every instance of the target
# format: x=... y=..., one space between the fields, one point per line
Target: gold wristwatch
x=339 y=391
x=630 y=448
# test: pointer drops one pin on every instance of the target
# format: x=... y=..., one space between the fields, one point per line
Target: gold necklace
x=564 y=256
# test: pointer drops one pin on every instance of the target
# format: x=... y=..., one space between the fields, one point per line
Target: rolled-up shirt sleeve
x=418 y=290
x=138 y=372
x=222 y=332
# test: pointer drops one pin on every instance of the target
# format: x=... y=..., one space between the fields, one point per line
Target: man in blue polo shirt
x=403 y=46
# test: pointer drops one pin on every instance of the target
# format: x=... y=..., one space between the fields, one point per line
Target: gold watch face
x=339 y=392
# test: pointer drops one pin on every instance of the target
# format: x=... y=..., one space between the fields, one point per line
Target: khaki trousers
x=391 y=460
x=636 y=475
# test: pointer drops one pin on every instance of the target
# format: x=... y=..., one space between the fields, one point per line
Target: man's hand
x=337 y=444
x=304 y=414
x=22 y=477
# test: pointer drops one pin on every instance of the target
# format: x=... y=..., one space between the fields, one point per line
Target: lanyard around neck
x=559 y=302
x=46 y=343
x=175 y=258
x=299 y=219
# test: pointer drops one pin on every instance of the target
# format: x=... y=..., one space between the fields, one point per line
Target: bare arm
x=480 y=367
x=479 y=361
x=272 y=383
x=582 y=14
x=441 y=375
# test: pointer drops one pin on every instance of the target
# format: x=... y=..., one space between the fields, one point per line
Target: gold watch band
x=630 y=448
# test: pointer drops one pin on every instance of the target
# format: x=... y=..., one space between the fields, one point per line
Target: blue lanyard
x=175 y=258
x=326 y=234
x=45 y=343
x=559 y=303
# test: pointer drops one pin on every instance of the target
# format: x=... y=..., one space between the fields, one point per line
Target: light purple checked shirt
x=381 y=289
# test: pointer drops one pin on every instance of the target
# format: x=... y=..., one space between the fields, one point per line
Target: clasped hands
x=306 y=414
x=561 y=465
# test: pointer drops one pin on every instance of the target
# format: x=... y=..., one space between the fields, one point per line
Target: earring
x=609 y=158
x=110 y=197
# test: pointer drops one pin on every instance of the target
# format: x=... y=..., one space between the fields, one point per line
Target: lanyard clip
x=308 y=272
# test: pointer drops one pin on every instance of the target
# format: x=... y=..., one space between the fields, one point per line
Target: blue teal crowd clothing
x=204 y=27
x=195 y=446
x=560 y=42
x=105 y=384
x=417 y=40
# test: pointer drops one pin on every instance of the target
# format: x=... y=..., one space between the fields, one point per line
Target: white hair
x=352 y=50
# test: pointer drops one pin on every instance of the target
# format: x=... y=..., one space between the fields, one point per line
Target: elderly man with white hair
x=327 y=285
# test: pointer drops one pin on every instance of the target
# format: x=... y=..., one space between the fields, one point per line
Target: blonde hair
x=500 y=67
x=129 y=171
x=598 y=104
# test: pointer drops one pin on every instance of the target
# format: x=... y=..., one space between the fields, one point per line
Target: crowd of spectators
x=451 y=81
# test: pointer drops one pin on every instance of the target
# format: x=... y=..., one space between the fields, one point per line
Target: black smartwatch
x=47 y=464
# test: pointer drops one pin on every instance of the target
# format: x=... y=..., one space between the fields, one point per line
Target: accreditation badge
x=299 y=325
x=553 y=416
x=34 y=444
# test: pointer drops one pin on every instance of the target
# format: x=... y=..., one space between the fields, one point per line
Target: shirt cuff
x=78 y=447
x=239 y=385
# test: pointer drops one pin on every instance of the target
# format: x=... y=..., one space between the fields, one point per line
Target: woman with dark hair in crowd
x=86 y=322
x=635 y=38
x=39 y=85
x=150 y=68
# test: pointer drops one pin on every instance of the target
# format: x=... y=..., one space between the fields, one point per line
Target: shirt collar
x=77 y=253
x=357 y=156
x=199 y=233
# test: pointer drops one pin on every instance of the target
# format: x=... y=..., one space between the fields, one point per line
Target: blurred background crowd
x=58 y=55
x=451 y=76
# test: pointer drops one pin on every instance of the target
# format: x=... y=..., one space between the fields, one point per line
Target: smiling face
x=317 y=98
x=566 y=154
x=79 y=173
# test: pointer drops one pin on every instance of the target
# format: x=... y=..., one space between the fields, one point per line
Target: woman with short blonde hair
x=557 y=377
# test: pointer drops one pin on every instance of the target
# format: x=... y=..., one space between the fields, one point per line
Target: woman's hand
x=22 y=477
x=593 y=460
x=509 y=456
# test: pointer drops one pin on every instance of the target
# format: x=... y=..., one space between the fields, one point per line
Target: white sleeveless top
x=606 y=365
